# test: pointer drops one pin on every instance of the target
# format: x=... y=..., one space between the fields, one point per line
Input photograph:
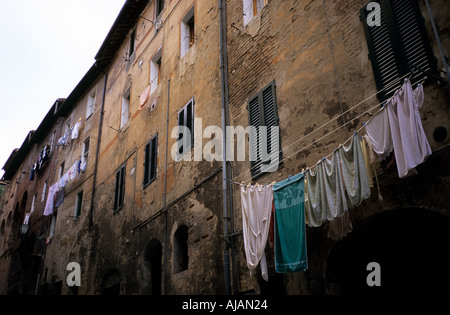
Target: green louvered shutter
x=262 y=111
x=398 y=46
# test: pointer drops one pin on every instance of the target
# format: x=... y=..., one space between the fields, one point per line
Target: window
x=151 y=151
x=187 y=31
x=90 y=104
x=85 y=153
x=251 y=8
x=61 y=170
x=180 y=249
x=120 y=189
x=44 y=191
x=125 y=108
x=155 y=70
x=262 y=112
x=159 y=7
x=33 y=203
x=398 y=46
x=186 y=119
x=132 y=43
x=78 y=204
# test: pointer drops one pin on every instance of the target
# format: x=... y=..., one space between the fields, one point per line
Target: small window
x=159 y=7
x=186 y=119
x=33 y=203
x=44 y=191
x=61 y=170
x=132 y=43
x=251 y=9
x=180 y=249
x=155 y=70
x=262 y=112
x=85 y=153
x=125 y=112
x=90 y=104
x=151 y=151
x=78 y=204
x=187 y=31
x=120 y=189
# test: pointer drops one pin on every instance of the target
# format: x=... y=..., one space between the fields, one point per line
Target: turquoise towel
x=290 y=233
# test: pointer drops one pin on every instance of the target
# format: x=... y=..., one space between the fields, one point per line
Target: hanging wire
x=329 y=133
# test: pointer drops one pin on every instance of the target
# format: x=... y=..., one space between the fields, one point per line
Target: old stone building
x=142 y=209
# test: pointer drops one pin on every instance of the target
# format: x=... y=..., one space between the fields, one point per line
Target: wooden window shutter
x=120 y=189
x=154 y=147
x=186 y=118
x=146 y=164
x=262 y=111
x=398 y=46
x=150 y=160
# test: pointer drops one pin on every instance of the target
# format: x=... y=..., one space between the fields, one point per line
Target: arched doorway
x=152 y=267
x=411 y=246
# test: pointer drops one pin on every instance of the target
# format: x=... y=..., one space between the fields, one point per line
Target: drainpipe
x=225 y=122
x=99 y=139
x=165 y=194
x=441 y=50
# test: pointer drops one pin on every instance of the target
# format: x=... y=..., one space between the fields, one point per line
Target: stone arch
x=411 y=245
x=152 y=268
x=111 y=283
x=180 y=249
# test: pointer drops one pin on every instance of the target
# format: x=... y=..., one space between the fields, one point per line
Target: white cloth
x=73 y=170
x=411 y=146
x=49 y=205
x=326 y=200
x=354 y=172
x=256 y=202
x=75 y=130
x=379 y=133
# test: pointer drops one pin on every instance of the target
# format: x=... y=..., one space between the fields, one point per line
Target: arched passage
x=152 y=267
x=412 y=247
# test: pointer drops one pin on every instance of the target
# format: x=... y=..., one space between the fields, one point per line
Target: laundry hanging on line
x=256 y=202
x=398 y=127
x=336 y=184
x=290 y=229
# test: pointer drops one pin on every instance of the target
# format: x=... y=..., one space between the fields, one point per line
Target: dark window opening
x=159 y=7
x=186 y=119
x=180 y=249
x=151 y=150
x=120 y=189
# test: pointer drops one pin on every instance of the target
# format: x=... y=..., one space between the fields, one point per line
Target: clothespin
x=289 y=177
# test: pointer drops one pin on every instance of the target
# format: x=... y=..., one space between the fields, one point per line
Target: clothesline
x=336 y=185
x=325 y=135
